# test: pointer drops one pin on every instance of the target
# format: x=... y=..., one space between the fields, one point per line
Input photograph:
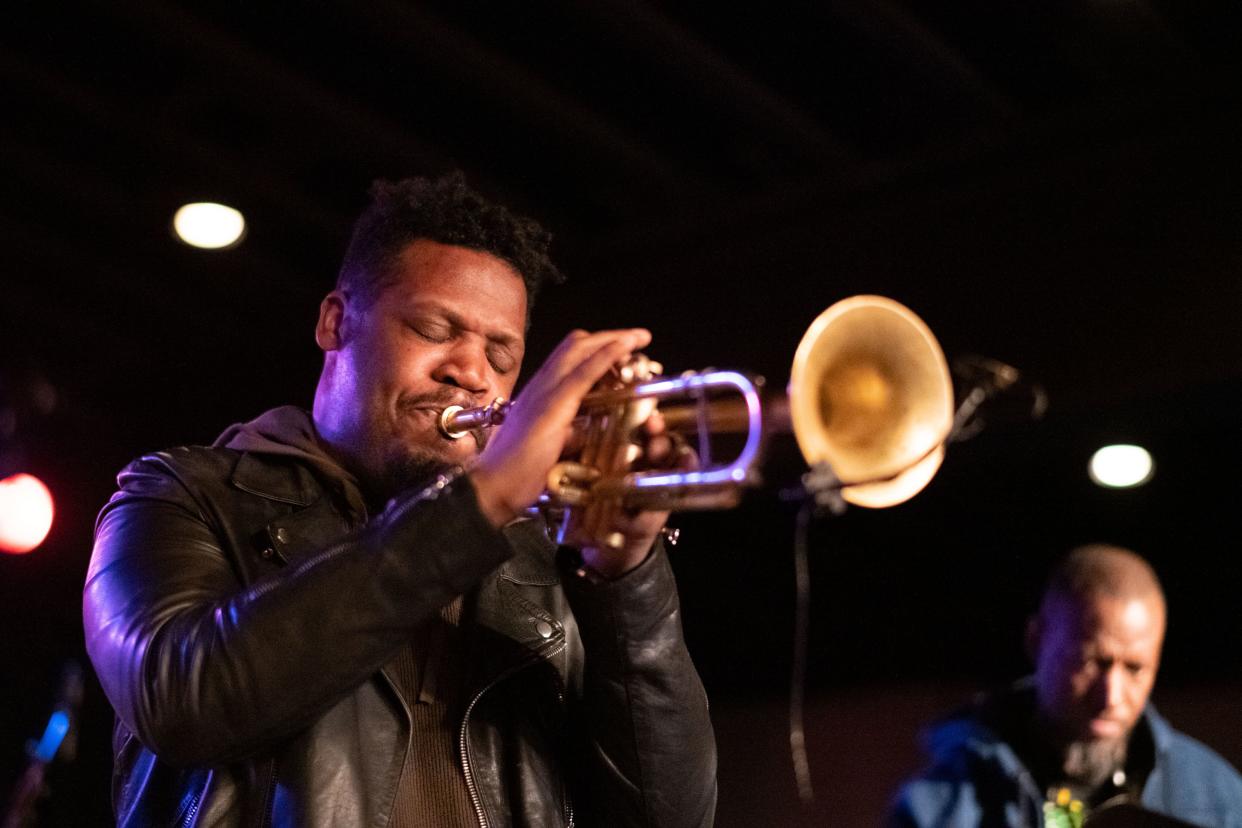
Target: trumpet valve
x=569 y=483
x=639 y=369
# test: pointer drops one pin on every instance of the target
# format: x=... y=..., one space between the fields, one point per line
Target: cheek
x=1080 y=684
x=1137 y=690
x=403 y=370
x=1077 y=681
x=506 y=384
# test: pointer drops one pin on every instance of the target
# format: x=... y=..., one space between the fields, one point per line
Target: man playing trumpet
x=341 y=617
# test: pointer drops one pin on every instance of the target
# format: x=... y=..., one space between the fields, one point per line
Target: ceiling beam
x=713 y=77
x=562 y=120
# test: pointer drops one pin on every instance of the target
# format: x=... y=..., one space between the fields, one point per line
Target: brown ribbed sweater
x=429 y=675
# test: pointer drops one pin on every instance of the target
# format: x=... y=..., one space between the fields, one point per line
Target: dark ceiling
x=1054 y=184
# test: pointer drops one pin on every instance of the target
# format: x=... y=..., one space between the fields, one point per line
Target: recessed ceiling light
x=1121 y=466
x=209 y=226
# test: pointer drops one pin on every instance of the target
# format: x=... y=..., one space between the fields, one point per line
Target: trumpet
x=870 y=400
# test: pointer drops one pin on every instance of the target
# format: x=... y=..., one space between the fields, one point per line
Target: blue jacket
x=976 y=779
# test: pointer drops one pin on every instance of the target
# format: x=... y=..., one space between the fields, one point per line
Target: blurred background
x=1056 y=185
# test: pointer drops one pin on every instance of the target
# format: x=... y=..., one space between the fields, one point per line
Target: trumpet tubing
x=869 y=396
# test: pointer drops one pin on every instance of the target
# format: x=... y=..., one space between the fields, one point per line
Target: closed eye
x=501 y=359
x=431 y=331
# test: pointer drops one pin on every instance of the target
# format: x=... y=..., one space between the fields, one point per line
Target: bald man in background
x=1078 y=736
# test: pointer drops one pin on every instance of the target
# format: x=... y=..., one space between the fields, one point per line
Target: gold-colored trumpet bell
x=870 y=395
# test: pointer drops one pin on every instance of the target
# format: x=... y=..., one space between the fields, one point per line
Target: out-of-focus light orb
x=25 y=513
x=1121 y=466
x=209 y=226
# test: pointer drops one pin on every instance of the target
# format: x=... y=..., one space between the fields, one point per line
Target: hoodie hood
x=289 y=431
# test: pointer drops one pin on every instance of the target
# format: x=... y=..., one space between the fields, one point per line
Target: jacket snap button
x=282 y=535
x=544 y=629
x=267 y=552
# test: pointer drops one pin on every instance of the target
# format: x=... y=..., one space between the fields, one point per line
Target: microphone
x=1007 y=395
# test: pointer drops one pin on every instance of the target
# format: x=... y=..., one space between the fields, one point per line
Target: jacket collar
x=1161 y=730
x=289 y=432
x=522 y=610
x=276 y=478
x=974 y=730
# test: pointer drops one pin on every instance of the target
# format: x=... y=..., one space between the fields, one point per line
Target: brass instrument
x=869 y=396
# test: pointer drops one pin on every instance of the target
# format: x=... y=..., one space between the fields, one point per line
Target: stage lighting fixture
x=209 y=226
x=26 y=513
x=1121 y=466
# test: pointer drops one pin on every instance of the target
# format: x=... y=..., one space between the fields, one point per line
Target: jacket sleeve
x=919 y=804
x=950 y=792
x=650 y=750
x=205 y=670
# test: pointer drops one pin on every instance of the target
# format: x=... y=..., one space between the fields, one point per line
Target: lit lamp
x=209 y=226
x=26 y=513
x=1121 y=466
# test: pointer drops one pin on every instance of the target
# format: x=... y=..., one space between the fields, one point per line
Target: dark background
x=1056 y=185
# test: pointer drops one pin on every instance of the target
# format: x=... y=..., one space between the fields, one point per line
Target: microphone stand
x=820 y=496
x=59 y=740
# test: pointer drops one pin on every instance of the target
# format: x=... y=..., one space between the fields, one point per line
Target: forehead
x=1133 y=626
x=468 y=282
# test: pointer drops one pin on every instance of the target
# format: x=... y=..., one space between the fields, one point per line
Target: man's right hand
x=511 y=473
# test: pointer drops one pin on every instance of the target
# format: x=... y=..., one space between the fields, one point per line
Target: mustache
x=441 y=399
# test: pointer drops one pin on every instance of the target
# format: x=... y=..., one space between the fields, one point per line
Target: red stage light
x=25 y=513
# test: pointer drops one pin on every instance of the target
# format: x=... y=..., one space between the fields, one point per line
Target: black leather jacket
x=239 y=622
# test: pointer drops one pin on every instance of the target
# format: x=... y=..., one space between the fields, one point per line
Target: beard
x=401 y=472
x=1092 y=762
x=390 y=455
x=409 y=468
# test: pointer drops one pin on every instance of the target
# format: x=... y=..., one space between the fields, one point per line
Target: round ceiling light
x=1121 y=466
x=209 y=226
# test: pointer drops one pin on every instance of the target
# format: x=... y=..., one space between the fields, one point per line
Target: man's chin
x=413 y=469
x=1092 y=760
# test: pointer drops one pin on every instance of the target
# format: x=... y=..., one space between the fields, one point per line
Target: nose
x=1111 y=687
x=464 y=366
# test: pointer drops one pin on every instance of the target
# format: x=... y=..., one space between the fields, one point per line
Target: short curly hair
x=448 y=211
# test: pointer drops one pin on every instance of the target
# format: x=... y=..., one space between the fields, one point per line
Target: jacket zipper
x=268 y=804
x=475 y=797
x=1026 y=784
x=568 y=810
x=471 y=785
x=192 y=812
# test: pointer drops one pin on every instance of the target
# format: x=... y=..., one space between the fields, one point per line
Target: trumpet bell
x=870 y=394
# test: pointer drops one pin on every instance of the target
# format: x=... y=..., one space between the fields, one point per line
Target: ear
x=330 y=330
x=1034 y=635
